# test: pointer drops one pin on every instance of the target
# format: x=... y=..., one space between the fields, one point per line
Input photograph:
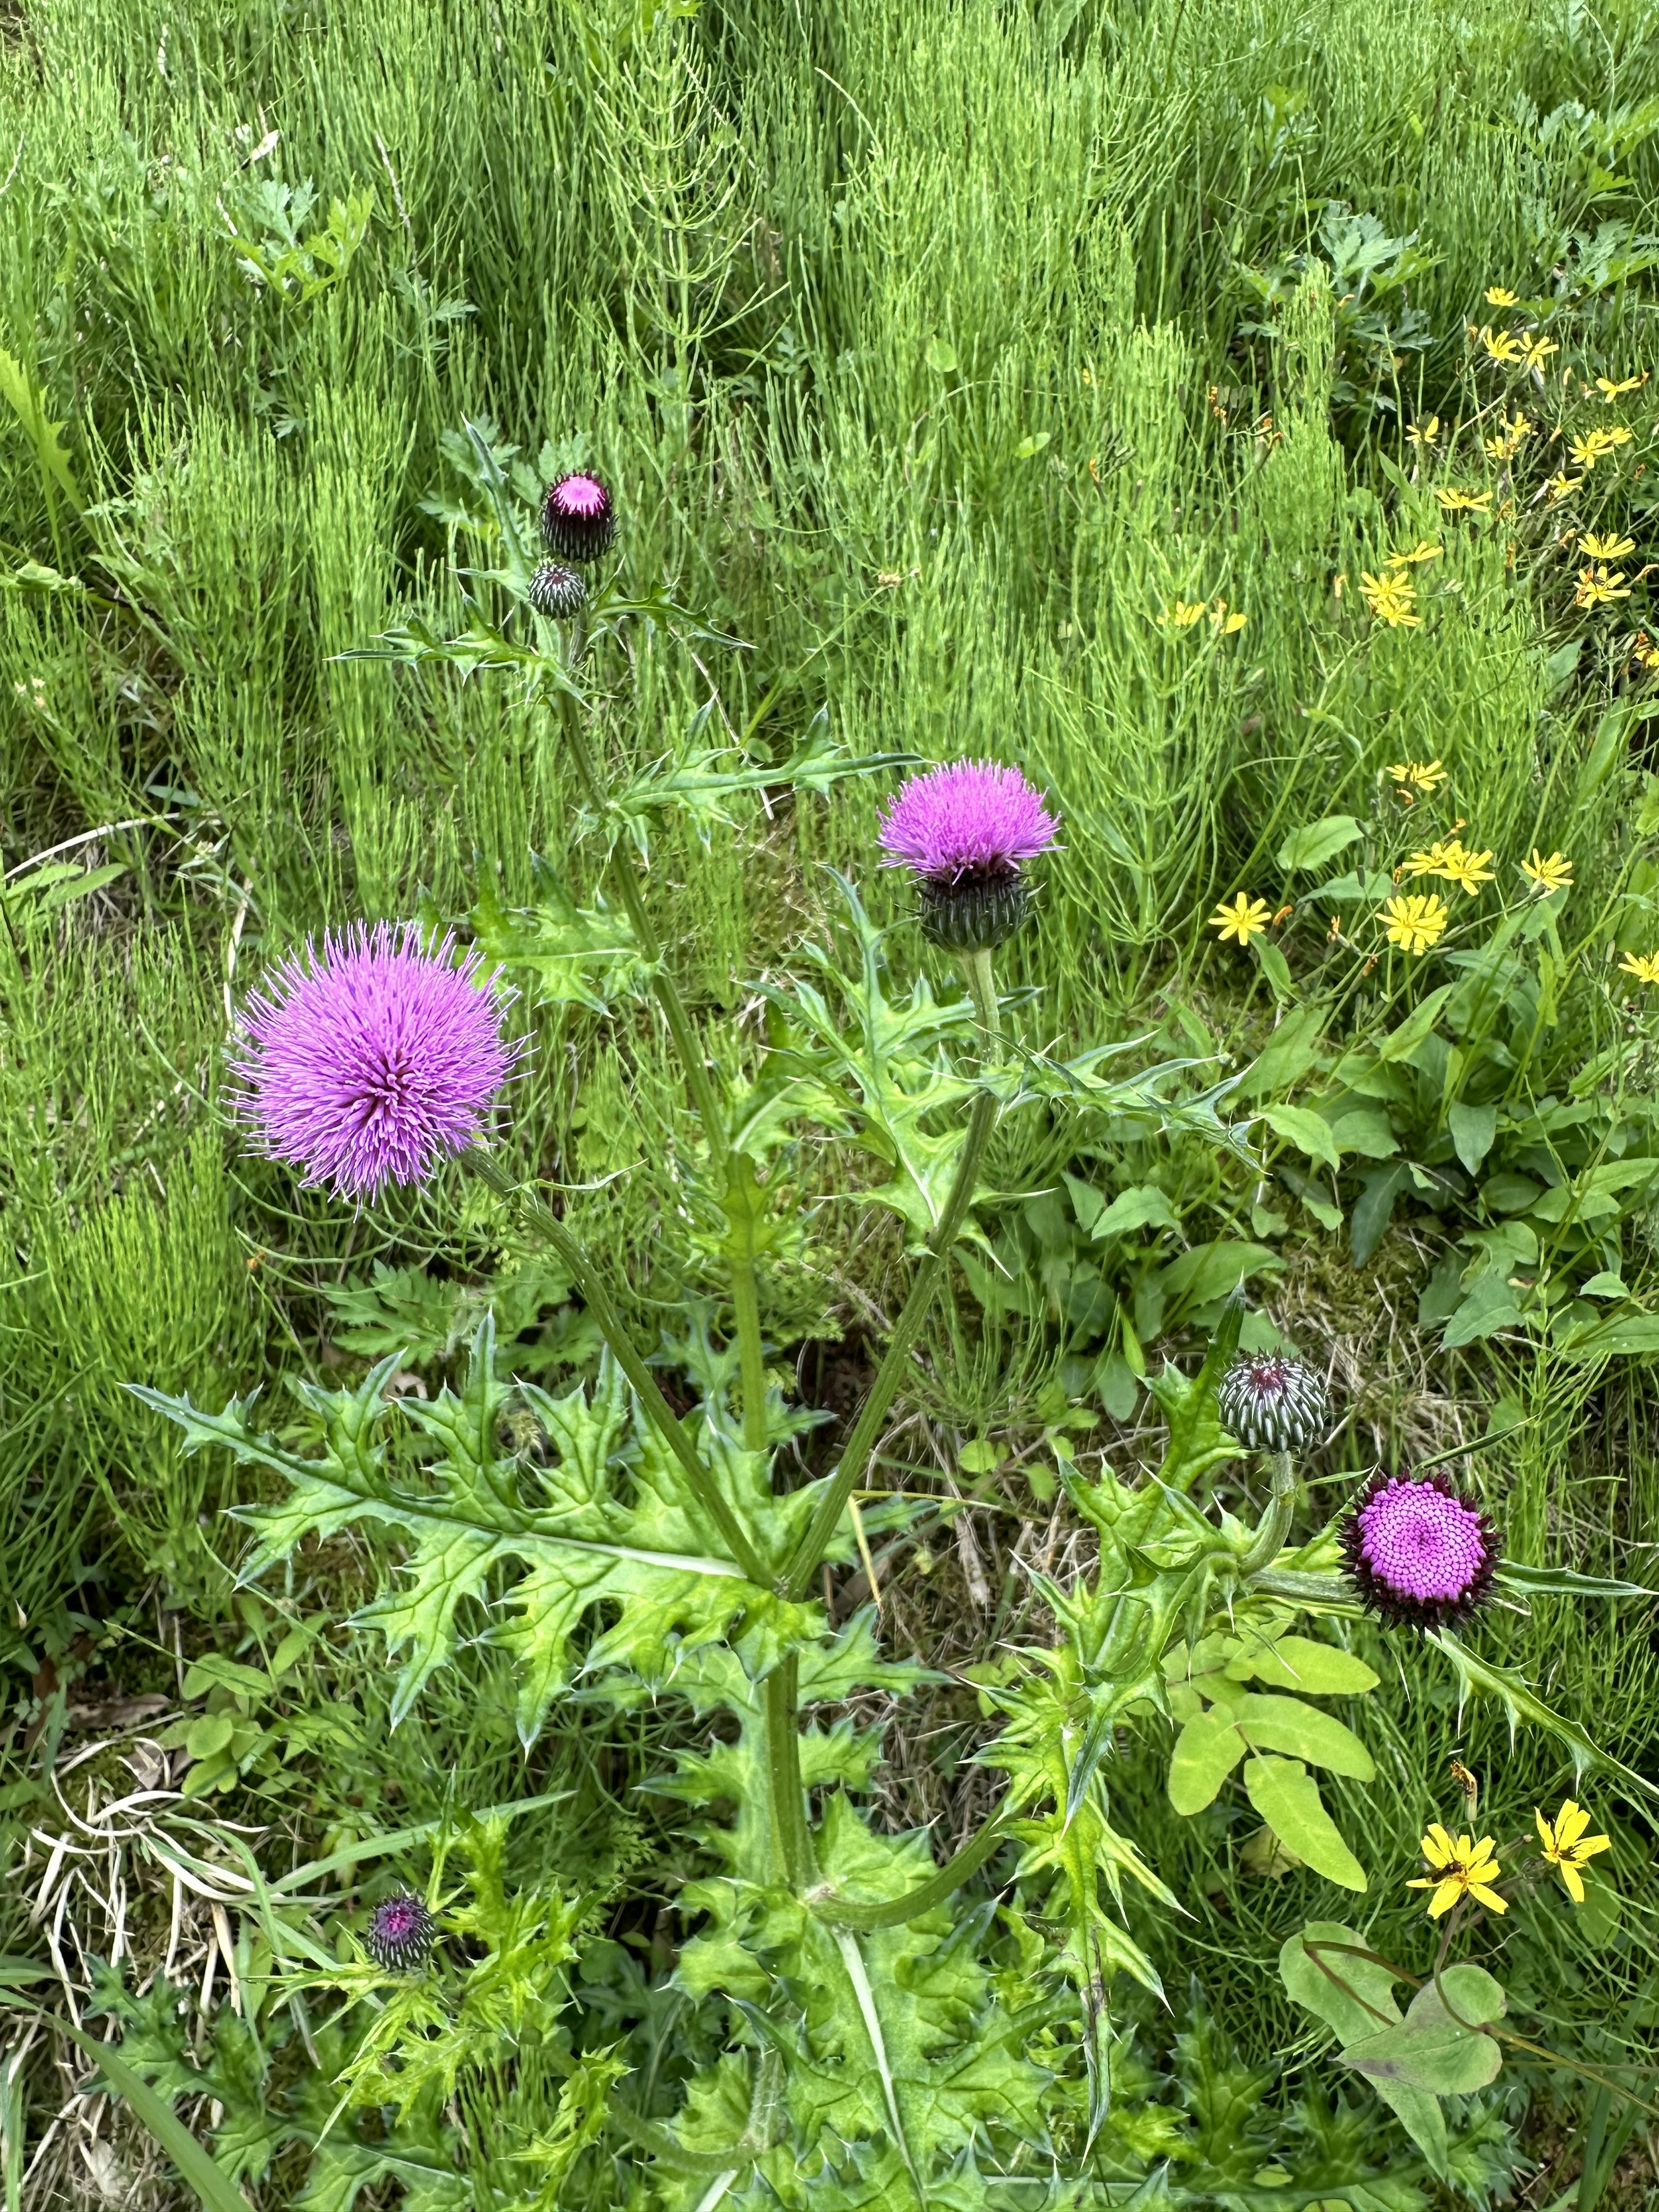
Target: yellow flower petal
x=1569 y=1874
x=1444 y=1898
x=1489 y=1897
x=1571 y=1823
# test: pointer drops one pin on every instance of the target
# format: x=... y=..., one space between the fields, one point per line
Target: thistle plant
x=886 y=2042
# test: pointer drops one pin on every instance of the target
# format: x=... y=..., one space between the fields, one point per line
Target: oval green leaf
x=1287 y=1724
x=1206 y=1753
x=1287 y=1798
x=1297 y=1662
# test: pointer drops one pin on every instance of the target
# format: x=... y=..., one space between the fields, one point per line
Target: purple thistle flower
x=556 y=591
x=1420 y=1554
x=400 y=1934
x=963 y=830
x=578 y=521
x=372 y=1062
x=1273 y=1403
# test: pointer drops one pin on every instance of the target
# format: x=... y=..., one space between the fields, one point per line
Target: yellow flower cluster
x=1414 y=776
x=1457 y=1868
x=1593 y=445
x=1186 y=614
x=1453 y=864
x=1415 y=924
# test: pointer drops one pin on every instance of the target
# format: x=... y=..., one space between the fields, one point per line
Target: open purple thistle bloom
x=372 y=1062
x=400 y=1934
x=1419 y=1554
x=578 y=520
x=963 y=831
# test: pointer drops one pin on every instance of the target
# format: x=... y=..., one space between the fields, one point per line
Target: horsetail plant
x=886 y=2043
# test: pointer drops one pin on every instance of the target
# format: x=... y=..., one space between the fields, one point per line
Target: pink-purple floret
x=579 y=495
x=969 y=818
x=373 y=1060
x=1421 y=1543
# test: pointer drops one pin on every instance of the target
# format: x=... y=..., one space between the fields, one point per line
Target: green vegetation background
x=913 y=338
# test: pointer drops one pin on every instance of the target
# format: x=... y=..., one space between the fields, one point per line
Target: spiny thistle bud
x=556 y=591
x=1420 y=1553
x=1271 y=1403
x=400 y=1934
x=963 y=830
x=577 y=519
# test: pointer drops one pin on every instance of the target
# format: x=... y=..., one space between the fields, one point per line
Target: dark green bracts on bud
x=558 y=592
x=1272 y=1403
x=975 y=912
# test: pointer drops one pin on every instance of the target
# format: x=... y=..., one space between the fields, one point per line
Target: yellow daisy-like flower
x=1595 y=446
x=1499 y=296
x=1390 y=598
x=1535 y=351
x=1547 y=875
x=1423 y=434
x=1423 y=551
x=1605 y=549
x=1610 y=390
x=1567 y=1846
x=1419 y=775
x=1644 y=966
x=1469 y=870
x=1561 y=485
x=1228 y=624
x=1415 y=924
x=1432 y=863
x=1457 y=1870
x=1184 y=614
x=1242 y=919
x=1596 y=587
x=1463 y=502
x=1501 y=346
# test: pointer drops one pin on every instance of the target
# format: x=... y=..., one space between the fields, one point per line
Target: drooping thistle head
x=558 y=592
x=1271 y=1402
x=964 y=831
x=373 y=1060
x=578 y=520
x=1421 y=1555
x=400 y=1934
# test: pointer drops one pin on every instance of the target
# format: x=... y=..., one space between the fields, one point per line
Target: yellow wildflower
x=1390 y=598
x=1643 y=652
x=1644 y=966
x=1605 y=549
x=1610 y=390
x=1184 y=614
x=1423 y=551
x=1228 y=624
x=1415 y=924
x=1502 y=346
x=1547 y=875
x=1463 y=502
x=1244 y=919
x=1420 y=775
x=1561 y=485
x=1457 y=1870
x=1430 y=863
x=1467 y=869
x=1567 y=1846
x=1597 y=588
x=1499 y=296
x=1535 y=351
x=1595 y=446
x=1423 y=434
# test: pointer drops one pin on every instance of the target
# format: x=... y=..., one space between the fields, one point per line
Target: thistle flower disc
x=1420 y=1554
x=578 y=520
x=372 y=1062
x=963 y=831
x=558 y=592
x=1273 y=1403
x=400 y=1934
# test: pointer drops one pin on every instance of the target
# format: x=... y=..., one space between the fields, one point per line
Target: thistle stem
x=898 y=1911
x=789 y=1820
x=860 y=1446
x=700 y=1479
x=751 y=1353
x=1275 y=1524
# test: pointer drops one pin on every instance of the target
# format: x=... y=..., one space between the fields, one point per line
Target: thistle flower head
x=578 y=520
x=400 y=1933
x=1273 y=1403
x=558 y=592
x=371 y=1060
x=1419 y=1554
x=963 y=831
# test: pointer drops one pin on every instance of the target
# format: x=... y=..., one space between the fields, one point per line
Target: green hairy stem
x=1274 y=1528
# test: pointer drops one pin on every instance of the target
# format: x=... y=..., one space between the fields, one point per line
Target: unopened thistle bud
x=1272 y=1403
x=963 y=830
x=558 y=592
x=400 y=1934
x=577 y=519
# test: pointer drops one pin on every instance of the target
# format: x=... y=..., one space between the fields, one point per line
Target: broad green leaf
x=1473 y=1129
x=1439 y=2058
x=1287 y=1056
x=1287 y=1798
x=1465 y=1993
x=1310 y=1133
x=1489 y=1307
x=1316 y=842
x=1145 y=1206
x=1297 y=1662
x=28 y=405
x=1286 y=1724
x=1411 y=1032
x=573 y=956
x=1206 y=1753
x=1347 y=1994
